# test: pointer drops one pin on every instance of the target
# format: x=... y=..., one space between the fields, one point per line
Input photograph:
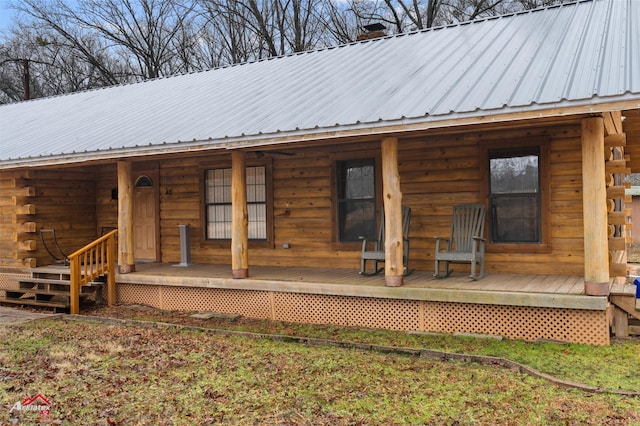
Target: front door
x=144 y=219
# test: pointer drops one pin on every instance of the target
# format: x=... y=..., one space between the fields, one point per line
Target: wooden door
x=144 y=222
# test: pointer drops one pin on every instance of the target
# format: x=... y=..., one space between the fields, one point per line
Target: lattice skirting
x=7 y=280
x=512 y=322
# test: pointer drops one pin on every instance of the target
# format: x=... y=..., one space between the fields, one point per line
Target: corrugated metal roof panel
x=578 y=54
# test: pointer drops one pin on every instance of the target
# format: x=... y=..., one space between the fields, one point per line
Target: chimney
x=376 y=30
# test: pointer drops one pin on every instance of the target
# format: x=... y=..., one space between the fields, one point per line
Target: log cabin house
x=244 y=189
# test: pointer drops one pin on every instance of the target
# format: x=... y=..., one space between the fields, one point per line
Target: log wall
x=631 y=126
x=32 y=200
x=65 y=200
x=17 y=225
x=436 y=172
x=106 y=204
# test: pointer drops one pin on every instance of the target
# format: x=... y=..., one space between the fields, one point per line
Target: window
x=514 y=196
x=356 y=188
x=218 y=203
x=144 y=182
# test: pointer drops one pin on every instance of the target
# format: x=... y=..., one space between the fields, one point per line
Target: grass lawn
x=106 y=374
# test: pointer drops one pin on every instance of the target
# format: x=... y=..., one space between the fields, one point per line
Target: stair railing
x=94 y=260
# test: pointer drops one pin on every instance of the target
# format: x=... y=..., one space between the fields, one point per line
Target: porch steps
x=50 y=290
x=626 y=311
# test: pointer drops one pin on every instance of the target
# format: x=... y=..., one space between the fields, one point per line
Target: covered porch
x=517 y=306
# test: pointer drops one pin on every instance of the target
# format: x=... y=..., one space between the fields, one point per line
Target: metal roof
x=535 y=63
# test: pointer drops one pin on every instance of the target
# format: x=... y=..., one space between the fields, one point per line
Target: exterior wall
x=106 y=205
x=436 y=172
x=17 y=241
x=635 y=214
x=65 y=201
x=436 y=178
x=512 y=322
x=631 y=127
x=32 y=200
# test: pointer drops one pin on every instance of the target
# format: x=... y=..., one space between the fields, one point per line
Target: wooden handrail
x=94 y=260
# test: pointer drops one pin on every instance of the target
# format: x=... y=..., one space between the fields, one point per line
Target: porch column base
x=596 y=289
x=393 y=280
x=240 y=273
x=126 y=269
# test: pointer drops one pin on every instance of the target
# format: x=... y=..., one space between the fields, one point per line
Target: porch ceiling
x=553 y=291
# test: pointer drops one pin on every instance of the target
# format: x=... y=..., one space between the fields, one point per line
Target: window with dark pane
x=515 y=196
x=356 y=199
x=218 y=203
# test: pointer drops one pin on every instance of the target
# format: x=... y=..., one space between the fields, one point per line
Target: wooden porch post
x=126 y=261
x=594 y=200
x=392 y=197
x=239 y=217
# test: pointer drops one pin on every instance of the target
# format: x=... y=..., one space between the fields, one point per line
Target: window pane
x=356 y=203
x=219 y=225
x=357 y=179
x=515 y=219
x=218 y=199
x=514 y=174
x=515 y=197
x=225 y=189
x=357 y=218
x=256 y=188
x=257 y=221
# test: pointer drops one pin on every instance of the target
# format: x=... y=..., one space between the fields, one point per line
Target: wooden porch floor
x=556 y=291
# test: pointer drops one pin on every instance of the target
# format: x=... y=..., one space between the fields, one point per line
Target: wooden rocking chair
x=376 y=252
x=466 y=244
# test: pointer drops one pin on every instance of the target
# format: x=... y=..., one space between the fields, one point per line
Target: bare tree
x=54 y=67
x=75 y=45
x=411 y=15
x=268 y=27
x=140 y=33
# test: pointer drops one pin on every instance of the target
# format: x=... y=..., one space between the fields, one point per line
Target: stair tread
x=33 y=302
x=623 y=290
x=43 y=291
x=54 y=281
x=44 y=281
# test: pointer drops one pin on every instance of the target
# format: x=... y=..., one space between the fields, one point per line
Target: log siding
x=436 y=172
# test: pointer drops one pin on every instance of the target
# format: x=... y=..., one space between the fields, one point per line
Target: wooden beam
x=619 y=139
x=27 y=245
x=627 y=304
x=612 y=121
x=239 y=217
x=616 y=166
x=618 y=269
x=26 y=227
x=620 y=322
x=25 y=191
x=9 y=236
x=126 y=256
x=617 y=243
x=392 y=197
x=616 y=192
x=617 y=218
x=594 y=200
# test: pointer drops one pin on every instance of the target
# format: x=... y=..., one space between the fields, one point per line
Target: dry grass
x=634 y=254
x=117 y=374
